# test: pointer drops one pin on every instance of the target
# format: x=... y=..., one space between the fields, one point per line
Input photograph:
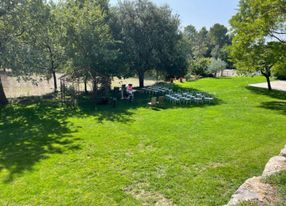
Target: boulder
x=253 y=190
x=275 y=165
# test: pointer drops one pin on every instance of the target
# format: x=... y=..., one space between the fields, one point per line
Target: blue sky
x=200 y=12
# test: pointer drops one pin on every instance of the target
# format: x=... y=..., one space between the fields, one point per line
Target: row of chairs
x=179 y=97
x=187 y=98
x=157 y=90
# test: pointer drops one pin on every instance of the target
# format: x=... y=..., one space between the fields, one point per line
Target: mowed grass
x=134 y=155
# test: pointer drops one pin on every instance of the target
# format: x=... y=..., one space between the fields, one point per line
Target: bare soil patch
x=14 y=88
x=140 y=192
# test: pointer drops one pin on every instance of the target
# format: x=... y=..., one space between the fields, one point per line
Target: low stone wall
x=14 y=87
x=41 y=86
x=255 y=189
x=227 y=73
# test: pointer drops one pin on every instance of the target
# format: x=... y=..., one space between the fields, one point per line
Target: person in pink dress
x=130 y=91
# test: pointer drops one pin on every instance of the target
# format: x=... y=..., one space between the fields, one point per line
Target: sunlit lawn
x=195 y=155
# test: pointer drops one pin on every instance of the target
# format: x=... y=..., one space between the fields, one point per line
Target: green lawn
x=132 y=154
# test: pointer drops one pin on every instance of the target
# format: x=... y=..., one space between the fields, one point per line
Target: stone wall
x=255 y=189
x=14 y=87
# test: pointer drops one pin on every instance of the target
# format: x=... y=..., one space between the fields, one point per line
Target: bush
x=279 y=68
x=216 y=65
x=199 y=66
x=280 y=72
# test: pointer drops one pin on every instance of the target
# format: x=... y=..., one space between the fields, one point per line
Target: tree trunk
x=94 y=88
x=141 y=79
x=106 y=85
x=267 y=75
x=85 y=85
x=157 y=75
x=53 y=68
x=268 y=82
x=55 y=81
x=3 y=99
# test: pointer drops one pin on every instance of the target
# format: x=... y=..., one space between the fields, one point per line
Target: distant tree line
x=207 y=49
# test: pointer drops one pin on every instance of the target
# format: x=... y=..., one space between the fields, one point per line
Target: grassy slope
x=193 y=156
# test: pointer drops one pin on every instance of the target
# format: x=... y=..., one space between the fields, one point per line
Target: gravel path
x=276 y=85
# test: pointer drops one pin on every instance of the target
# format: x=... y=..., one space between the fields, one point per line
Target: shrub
x=199 y=66
x=216 y=65
x=279 y=70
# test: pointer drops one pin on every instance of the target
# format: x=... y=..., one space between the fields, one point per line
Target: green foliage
x=218 y=35
x=190 y=35
x=279 y=69
x=257 y=19
x=16 y=54
x=255 y=26
x=97 y=42
x=206 y=43
x=201 y=46
x=144 y=29
x=35 y=47
x=176 y=64
x=14 y=21
x=199 y=66
x=216 y=65
x=90 y=44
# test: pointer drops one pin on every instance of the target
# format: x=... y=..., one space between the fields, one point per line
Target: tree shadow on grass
x=121 y=112
x=274 y=93
x=124 y=110
x=33 y=129
x=275 y=105
x=272 y=105
x=30 y=133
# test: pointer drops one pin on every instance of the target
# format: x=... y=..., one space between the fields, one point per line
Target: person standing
x=130 y=92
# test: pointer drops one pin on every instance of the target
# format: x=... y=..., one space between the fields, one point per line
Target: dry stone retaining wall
x=255 y=189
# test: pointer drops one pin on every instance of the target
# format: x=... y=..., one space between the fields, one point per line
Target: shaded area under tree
x=29 y=133
x=36 y=127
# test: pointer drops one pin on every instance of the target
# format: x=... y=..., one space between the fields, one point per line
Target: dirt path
x=14 y=88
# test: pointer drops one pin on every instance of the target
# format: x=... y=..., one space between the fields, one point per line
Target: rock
x=283 y=152
x=275 y=165
x=254 y=190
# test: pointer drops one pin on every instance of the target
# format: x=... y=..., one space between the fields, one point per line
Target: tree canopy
x=205 y=46
x=97 y=42
x=259 y=30
x=13 y=25
x=90 y=44
x=150 y=35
